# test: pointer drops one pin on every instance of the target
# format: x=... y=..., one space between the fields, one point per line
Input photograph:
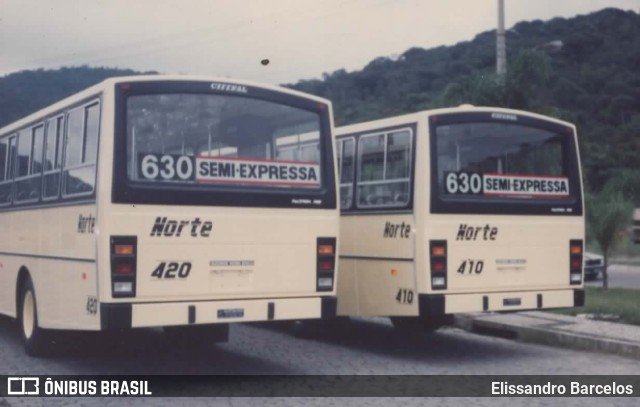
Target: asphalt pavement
x=621 y=275
x=557 y=330
x=578 y=332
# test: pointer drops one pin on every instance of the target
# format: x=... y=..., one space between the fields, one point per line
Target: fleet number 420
x=172 y=270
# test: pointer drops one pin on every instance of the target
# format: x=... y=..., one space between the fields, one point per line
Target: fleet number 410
x=471 y=267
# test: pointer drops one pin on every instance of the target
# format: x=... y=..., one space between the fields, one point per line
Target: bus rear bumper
x=140 y=315
x=433 y=305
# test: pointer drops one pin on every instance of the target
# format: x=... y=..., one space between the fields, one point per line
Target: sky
x=269 y=41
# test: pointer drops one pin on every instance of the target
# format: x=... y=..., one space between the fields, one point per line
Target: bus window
x=24 y=153
x=91 y=134
x=7 y=152
x=73 y=155
x=482 y=161
x=346 y=167
x=53 y=158
x=30 y=145
x=384 y=169
x=244 y=143
x=81 y=149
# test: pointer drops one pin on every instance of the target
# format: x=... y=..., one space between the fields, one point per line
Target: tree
x=527 y=73
x=607 y=216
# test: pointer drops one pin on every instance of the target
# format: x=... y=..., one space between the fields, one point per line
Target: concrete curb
x=547 y=336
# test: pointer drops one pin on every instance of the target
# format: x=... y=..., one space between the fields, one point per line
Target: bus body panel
x=377 y=264
x=63 y=259
x=486 y=253
x=240 y=257
x=224 y=311
x=509 y=301
x=369 y=287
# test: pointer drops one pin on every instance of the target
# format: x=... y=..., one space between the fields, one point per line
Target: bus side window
x=346 y=155
x=52 y=158
x=30 y=145
x=3 y=158
x=7 y=152
x=81 y=143
x=384 y=170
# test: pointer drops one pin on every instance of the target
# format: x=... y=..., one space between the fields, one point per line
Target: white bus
x=459 y=210
x=159 y=201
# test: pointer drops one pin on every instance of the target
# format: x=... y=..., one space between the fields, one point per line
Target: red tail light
x=123 y=250
x=575 y=261
x=123 y=266
x=325 y=263
x=438 y=257
x=326 y=249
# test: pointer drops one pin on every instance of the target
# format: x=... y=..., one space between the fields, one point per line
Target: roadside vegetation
x=615 y=304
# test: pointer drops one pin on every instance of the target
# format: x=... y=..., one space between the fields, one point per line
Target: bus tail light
x=438 y=254
x=123 y=266
x=575 y=262
x=325 y=263
x=325 y=249
x=123 y=249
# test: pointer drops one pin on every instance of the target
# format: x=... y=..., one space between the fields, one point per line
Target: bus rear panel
x=226 y=194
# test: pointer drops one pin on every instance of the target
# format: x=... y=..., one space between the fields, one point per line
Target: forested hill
x=25 y=92
x=585 y=70
x=589 y=65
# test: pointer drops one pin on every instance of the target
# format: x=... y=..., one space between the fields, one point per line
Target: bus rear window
x=209 y=140
x=492 y=163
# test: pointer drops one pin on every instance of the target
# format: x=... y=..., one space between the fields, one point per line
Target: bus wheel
x=34 y=338
x=414 y=325
x=197 y=335
x=305 y=329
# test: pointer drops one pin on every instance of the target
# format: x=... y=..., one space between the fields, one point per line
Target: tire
x=318 y=328
x=414 y=325
x=197 y=335
x=305 y=328
x=34 y=339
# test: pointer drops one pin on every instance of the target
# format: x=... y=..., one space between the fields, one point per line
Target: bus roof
x=109 y=83
x=417 y=116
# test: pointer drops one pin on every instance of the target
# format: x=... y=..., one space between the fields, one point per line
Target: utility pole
x=501 y=42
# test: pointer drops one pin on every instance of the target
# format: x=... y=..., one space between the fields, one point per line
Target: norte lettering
x=170 y=228
x=86 y=224
x=396 y=229
x=466 y=232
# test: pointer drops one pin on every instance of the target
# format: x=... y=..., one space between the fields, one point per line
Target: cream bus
x=160 y=201
x=459 y=210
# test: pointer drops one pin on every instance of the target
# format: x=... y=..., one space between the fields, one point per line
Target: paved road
x=621 y=275
x=365 y=346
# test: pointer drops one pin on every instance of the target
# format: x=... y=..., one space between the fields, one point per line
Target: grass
x=621 y=302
